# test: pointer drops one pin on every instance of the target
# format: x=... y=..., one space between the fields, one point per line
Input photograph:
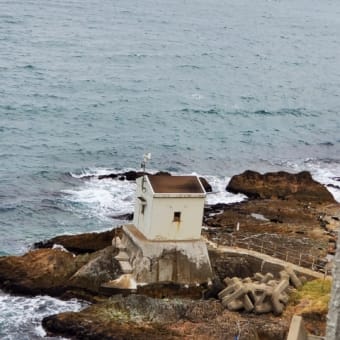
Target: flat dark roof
x=176 y=184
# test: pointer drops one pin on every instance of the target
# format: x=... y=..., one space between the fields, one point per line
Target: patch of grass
x=312 y=297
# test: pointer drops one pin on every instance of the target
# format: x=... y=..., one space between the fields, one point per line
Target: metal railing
x=303 y=259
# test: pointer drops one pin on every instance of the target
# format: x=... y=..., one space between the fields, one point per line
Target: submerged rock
x=280 y=185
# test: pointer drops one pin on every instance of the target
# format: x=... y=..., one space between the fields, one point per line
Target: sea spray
x=20 y=317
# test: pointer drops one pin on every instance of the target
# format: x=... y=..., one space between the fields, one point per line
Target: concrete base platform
x=180 y=262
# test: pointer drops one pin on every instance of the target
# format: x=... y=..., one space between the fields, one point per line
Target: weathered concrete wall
x=163 y=226
x=333 y=318
x=182 y=262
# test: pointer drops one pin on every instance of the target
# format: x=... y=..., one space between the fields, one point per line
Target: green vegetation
x=312 y=297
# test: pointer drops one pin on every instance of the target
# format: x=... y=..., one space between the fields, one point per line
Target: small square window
x=177 y=216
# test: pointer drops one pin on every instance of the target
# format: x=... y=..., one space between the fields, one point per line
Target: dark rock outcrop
x=130 y=175
x=333 y=186
x=280 y=185
x=206 y=185
x=133 y=175
x=82 y=243
x=123 y=217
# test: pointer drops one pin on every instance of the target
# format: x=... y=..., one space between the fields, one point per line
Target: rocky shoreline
x=284 y=211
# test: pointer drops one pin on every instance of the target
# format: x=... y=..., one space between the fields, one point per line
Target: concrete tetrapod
x=259 y=294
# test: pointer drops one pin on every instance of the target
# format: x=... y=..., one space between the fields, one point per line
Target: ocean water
x=208 y=87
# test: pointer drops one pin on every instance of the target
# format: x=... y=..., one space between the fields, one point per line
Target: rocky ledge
x=142 y=317
x=280 y=185
x=276 y=215
x=298 y=214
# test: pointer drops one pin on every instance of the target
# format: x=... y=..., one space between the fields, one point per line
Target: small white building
x=169 y=207
x=163 y=244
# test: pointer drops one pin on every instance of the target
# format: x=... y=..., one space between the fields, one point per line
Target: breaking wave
x=20 y=317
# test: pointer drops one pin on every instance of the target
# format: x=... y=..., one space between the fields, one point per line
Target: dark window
x=142 y=201
x=177 y=216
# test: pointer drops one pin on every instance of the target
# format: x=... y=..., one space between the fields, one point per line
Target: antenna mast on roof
x=146 y=158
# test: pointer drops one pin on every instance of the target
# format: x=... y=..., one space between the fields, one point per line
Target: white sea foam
x=325 y=175
x=20 y=317
x=219 y=193
x=101 y=198
x=94 y=172
x=109 y=197
x=197 y=96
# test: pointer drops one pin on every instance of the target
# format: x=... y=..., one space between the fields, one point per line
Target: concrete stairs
x=126 y=267
x=122 y=257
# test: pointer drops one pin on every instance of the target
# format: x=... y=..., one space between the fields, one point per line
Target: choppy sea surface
x=208 y=87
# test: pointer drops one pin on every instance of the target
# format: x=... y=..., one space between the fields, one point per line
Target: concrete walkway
x=265 y=259
x=297 y=330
